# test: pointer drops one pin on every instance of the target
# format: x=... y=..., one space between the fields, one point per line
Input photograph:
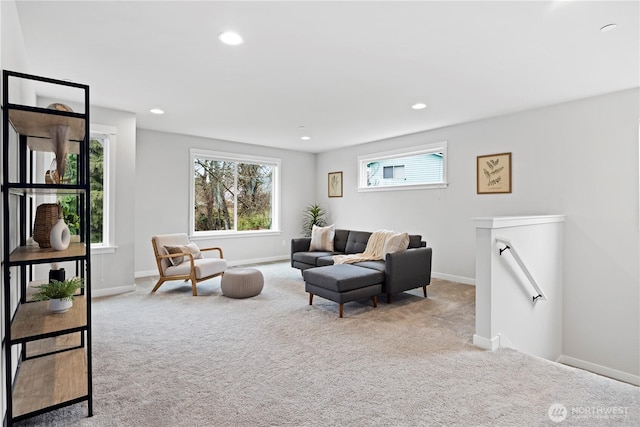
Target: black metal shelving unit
x=50 y=354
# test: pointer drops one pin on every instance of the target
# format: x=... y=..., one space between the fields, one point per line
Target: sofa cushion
x=322 y=238
x=324 y=260
x=357 y=242
x=311 y=258
x=395 y=243
x=374 y=265
x=340 y=240
x=415 y=241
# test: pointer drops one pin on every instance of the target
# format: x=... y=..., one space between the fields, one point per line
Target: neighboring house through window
x=414 y=167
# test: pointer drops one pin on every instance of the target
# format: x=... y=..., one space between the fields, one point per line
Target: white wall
x=579 y=159
x=114 y=272
x=162 y=196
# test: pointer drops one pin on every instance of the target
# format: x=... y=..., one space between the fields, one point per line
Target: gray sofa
x=403 y=271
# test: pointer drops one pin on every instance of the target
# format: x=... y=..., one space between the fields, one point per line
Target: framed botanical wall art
x=494 y=173
x=335 y=184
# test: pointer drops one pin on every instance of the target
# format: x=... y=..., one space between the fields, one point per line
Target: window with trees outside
x=233 y=193
x=423 y=166
x=98 y=164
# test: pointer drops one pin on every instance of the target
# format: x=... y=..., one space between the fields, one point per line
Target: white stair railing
x=523 y=267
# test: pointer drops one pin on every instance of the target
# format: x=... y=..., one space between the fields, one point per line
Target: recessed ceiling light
x=305 y=138
x=230 y=38
x=157 y=111
x=608 y=27
x=419 y=106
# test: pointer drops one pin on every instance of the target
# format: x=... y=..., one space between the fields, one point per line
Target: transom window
x=233 y=193
x=424 y=166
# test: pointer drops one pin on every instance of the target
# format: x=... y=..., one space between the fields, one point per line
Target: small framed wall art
x=335 y=184
x=494 y=173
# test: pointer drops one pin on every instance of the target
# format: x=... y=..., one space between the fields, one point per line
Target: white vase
x=60 y=305
x=60 y=236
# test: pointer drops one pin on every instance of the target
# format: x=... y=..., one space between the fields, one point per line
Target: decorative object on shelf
x=494 y=173
x=335 y=184
x=60 y=305
x=47 y=215
x=56 y=273
x=60 y=294
x=60 y=149
x=312 y=215
x=60 y=236
x=51 y=176
x=60 y=107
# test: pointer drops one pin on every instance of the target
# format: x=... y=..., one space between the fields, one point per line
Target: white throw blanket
x=372 y=252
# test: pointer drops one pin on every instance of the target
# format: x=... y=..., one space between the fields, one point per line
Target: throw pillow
x=191 y=248
x=322 y=238
x=395 y=243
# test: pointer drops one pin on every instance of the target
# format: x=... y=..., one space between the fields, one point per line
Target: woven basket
x=47 y=214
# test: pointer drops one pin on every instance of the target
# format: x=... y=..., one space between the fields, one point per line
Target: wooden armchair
x=179 y=259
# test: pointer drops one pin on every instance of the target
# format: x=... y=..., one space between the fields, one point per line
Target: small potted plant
x=60 y=294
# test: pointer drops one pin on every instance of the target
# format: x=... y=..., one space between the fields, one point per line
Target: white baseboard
x=154 y=272
x=105 y=292
x=486 y=343
x=452 y=278
x=599 y=369
x=503 y=341
x=259 y=260
x=145 y=273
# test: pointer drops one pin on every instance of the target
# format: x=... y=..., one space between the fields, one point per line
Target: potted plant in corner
x=60 y=294
x=312 y=215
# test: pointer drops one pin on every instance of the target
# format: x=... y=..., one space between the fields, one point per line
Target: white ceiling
x=346 y=71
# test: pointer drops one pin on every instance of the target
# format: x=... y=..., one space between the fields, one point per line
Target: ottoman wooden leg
x=375 y=301
x=424 y=289
x=340 y=310
x=310 y=298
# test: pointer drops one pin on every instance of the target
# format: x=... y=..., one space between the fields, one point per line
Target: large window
x=99 y=162
x=415 y=167
x=233 y=193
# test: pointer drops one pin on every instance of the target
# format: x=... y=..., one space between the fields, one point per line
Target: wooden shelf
x=39 y=124
x=45 y=189
x=50 y=345
x=37 y=143
x=35 y=320
x=36 y=254
x=50 y=380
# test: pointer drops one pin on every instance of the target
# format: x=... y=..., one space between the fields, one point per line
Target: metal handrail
x=525 y=270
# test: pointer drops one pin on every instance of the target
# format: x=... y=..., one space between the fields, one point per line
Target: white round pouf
x=242 y=282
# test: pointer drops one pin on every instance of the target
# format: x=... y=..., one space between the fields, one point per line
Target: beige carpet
x=170 y=359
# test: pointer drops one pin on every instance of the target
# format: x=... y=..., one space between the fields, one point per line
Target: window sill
x=403 y=187
x=233 y=234
x=103 y=249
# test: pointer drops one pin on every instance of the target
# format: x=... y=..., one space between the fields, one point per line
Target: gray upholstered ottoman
x=241 y=282
x=343 y=283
